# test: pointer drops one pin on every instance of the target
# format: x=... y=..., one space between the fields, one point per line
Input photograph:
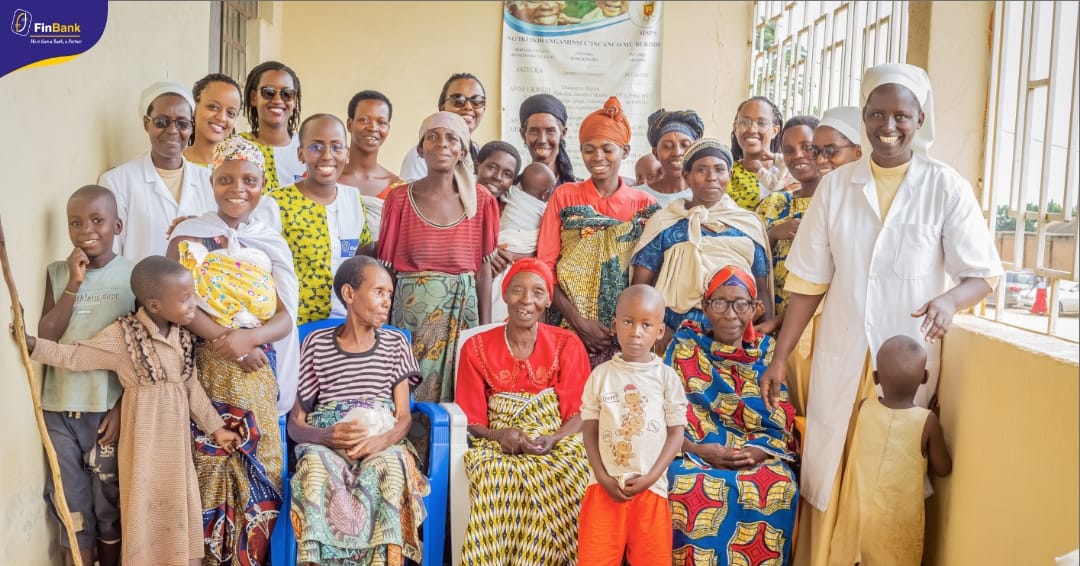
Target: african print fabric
x=270 y=164
x=778 y=208
x=723 y=516
x=240 y=492
x=594 y=263
x=356 y=513
x=524 y=507
x=744 y=187
x=435 y=307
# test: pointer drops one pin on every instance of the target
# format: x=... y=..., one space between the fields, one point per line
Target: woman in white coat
x=881 y=235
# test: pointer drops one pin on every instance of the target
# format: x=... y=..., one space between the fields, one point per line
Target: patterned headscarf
x=683 y=121
x=608 y=123
x=463 y=171
x=530 y=265
x=734 y=276
x=236 y=148
x=705 y=147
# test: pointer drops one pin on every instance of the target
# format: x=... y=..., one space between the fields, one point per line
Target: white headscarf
x=157 y=89
x=912 y=78
x=845 y=119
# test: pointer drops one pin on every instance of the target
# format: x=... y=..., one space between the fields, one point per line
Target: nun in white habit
x=900 y=244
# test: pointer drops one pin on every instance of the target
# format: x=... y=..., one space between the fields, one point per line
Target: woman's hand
x=595 y=335
x=939 y=313
x=541 y=445
x=500 y=261
x=254 y=361
x=368 y=446
x=784 y=230
x=724 y=458
x=757 y=456
x=234 y=344
x=770 y=326
x=770 y=383
x=109 y=429
x=343 y=436
x=511 y=440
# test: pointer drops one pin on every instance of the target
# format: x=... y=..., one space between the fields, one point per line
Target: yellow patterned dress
x=305 y=227
x=778 y=208
x=723 y=516
x=241 y=492
x=744 y=187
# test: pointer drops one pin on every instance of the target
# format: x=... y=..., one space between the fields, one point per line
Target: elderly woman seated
x=357 y=491
x=520 y=386
x=733 y=493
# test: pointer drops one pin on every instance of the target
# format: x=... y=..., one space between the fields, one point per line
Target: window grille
x=809 y=56
x=1031 y=159
x=235 y=15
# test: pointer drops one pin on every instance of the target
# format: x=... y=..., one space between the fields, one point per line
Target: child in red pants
x=633 y=411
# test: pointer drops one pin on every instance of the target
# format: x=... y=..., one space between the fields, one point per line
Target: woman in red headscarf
x=589 y=230
x=520 y=386
x=732 y=490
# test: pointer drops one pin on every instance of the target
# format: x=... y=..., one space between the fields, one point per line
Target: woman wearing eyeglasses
x=755 y=142
x=463 y=95
x=155 y=189
x=733 y=486
x=272 y=107
x=323 y=221
x=690 y=238
x=836 y=139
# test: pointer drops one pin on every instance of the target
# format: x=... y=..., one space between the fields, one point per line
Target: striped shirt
x=328 y=373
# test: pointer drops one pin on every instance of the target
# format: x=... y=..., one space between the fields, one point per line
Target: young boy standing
x=84 y=294
x=634 y=411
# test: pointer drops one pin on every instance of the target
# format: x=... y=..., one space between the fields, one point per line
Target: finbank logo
x=20 y=22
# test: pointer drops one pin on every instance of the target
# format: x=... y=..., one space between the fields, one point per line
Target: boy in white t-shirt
x=633 y=410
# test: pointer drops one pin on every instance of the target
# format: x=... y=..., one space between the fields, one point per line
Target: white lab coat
x=877 y=276
x=147 y=208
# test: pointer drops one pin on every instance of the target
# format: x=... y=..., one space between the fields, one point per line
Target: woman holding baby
x=357 y=492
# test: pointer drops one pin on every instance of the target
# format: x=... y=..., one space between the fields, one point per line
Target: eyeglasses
x=719 y=306
x=458 y=100
x=828 y=151
x=268 y=93
x=163 y=123
x=745 y=123
x=317 y=148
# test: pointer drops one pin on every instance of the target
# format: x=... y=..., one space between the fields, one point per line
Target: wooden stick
x=20 y=336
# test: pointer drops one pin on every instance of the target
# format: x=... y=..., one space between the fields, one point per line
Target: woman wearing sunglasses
x=463 y=95
x=272 y=108
x=836 y=139
x=155 y=189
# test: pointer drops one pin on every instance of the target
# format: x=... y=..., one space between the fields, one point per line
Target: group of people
x=653 y=370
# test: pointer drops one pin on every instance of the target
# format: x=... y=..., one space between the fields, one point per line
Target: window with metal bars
x=235 y=15
x=1031 y=163
x=809 y=56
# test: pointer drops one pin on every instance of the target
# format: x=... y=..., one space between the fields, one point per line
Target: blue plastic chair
x=283 y=540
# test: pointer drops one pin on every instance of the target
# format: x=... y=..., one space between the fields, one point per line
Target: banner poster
x=582 y=52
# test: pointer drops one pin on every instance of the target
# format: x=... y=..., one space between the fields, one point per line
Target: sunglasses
x=317 y=148
x=163 y=123
x=828 y=151
x=458 y=100
x=268 y=93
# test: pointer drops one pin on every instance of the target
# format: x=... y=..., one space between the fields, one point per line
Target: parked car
x=1016 y=283
x=1068 y=298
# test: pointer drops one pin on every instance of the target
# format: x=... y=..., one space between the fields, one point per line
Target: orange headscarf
x=531 y=265
x=734 y=276
x=608 y=123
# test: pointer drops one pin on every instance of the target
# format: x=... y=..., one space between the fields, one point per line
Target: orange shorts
x=607 y=528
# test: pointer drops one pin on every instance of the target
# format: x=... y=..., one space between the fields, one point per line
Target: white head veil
x=912 y=78
x=845 y=119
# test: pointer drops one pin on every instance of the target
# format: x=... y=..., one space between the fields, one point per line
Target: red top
x=409 y=243
x=621 y=205
x=487 y=367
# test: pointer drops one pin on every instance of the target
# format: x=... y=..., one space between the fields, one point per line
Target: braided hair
x=201 y=84
x=252 y=84
x=777 y=120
